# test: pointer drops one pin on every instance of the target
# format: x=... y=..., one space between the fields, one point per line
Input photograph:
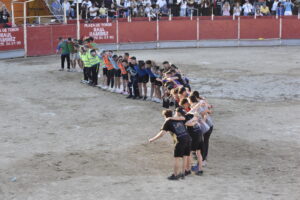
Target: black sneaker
x=129 y=97
x=186 y=173
x=173 y=178
x=199 y=173
x=134 y=97
x=181 y=176
x=145 y=98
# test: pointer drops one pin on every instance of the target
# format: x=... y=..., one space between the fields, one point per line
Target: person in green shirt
x=64 y=49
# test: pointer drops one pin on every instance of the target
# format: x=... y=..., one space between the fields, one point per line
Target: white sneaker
x=120 y=91
x=125 y=93
x=204 y=163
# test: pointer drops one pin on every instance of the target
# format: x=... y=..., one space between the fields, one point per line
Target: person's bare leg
x=119 y=83
x=184 y=163
x=199 y=157
x=145 y=89
x=176 y=166
x=140 y=89
x=158 y=92
x=152 y=90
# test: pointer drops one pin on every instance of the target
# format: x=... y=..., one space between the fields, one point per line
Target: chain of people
x=187 y=115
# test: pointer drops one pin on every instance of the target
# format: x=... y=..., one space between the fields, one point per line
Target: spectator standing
x=247 y=8
x=218 y=4
x=4 y=15
x=93 y=11
x=183 y=6
x=127 y=7
x=112 y=12
x=146 y=2
x=280 y=9
x=264 y=10
x=86 y=4
x=190 y=7
x=226 y=9
x=148 y=10
x=274 y=7
x=237 y=9
x=205 y=7
x=103 y=12
x=288 y=6
x=67 y=7
x=161 y=3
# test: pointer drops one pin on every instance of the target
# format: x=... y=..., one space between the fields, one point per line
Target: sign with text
x=11 y=39
x=101 y=32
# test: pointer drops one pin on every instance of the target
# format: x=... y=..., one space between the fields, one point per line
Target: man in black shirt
x=182 y=139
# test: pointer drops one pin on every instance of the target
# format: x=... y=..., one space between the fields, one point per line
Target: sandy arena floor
x=61 y=140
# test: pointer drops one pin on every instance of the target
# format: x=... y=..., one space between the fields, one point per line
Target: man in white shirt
x=67 y=7
x=248 y=8
x=93 y=11
x=161 y=3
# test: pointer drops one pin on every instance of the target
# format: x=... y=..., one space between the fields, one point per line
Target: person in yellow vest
x=84 y=56
x=94 y=69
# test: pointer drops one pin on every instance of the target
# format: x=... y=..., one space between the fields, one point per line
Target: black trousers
x=85 y=74
x=206 y=143
x=94 y=74
x=133 y=87
x=110 y=78
x=63 y=58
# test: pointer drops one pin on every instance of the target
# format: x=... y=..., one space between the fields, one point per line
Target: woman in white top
x=274 y=7
x=237 y=9
x=183 y=6
x=226 y=9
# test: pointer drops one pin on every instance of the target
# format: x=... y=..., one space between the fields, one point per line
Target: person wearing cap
x=177 y=128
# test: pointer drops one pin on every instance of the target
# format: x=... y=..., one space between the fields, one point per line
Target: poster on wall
x=11 y=38
x=101 y=32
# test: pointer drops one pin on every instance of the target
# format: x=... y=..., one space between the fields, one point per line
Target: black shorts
x=158 y=83
x=143 y=79
x=105 y=71
x=152 y=79
x=125 y=77
x=183 y=147
x=197 y=142
x=118 y=73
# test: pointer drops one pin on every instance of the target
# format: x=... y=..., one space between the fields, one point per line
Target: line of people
x=191 y=124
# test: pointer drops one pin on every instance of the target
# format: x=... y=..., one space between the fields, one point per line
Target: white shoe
x=204 y=163
x=120 y=91
x=125 y=93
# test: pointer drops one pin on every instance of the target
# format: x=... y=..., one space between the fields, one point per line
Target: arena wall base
x=12 y=54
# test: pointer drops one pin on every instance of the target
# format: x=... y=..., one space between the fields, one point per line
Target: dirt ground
x=61 y=140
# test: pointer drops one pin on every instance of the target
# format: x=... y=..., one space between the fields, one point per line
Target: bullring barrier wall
x=140 y=33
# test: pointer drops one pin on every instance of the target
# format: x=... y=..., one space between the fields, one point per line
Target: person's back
x=65 y=48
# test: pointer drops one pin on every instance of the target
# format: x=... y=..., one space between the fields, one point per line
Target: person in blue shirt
x=280 y=9
x=148 y=68
x=143 y=79
x=288 y=5
x=133 y=79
